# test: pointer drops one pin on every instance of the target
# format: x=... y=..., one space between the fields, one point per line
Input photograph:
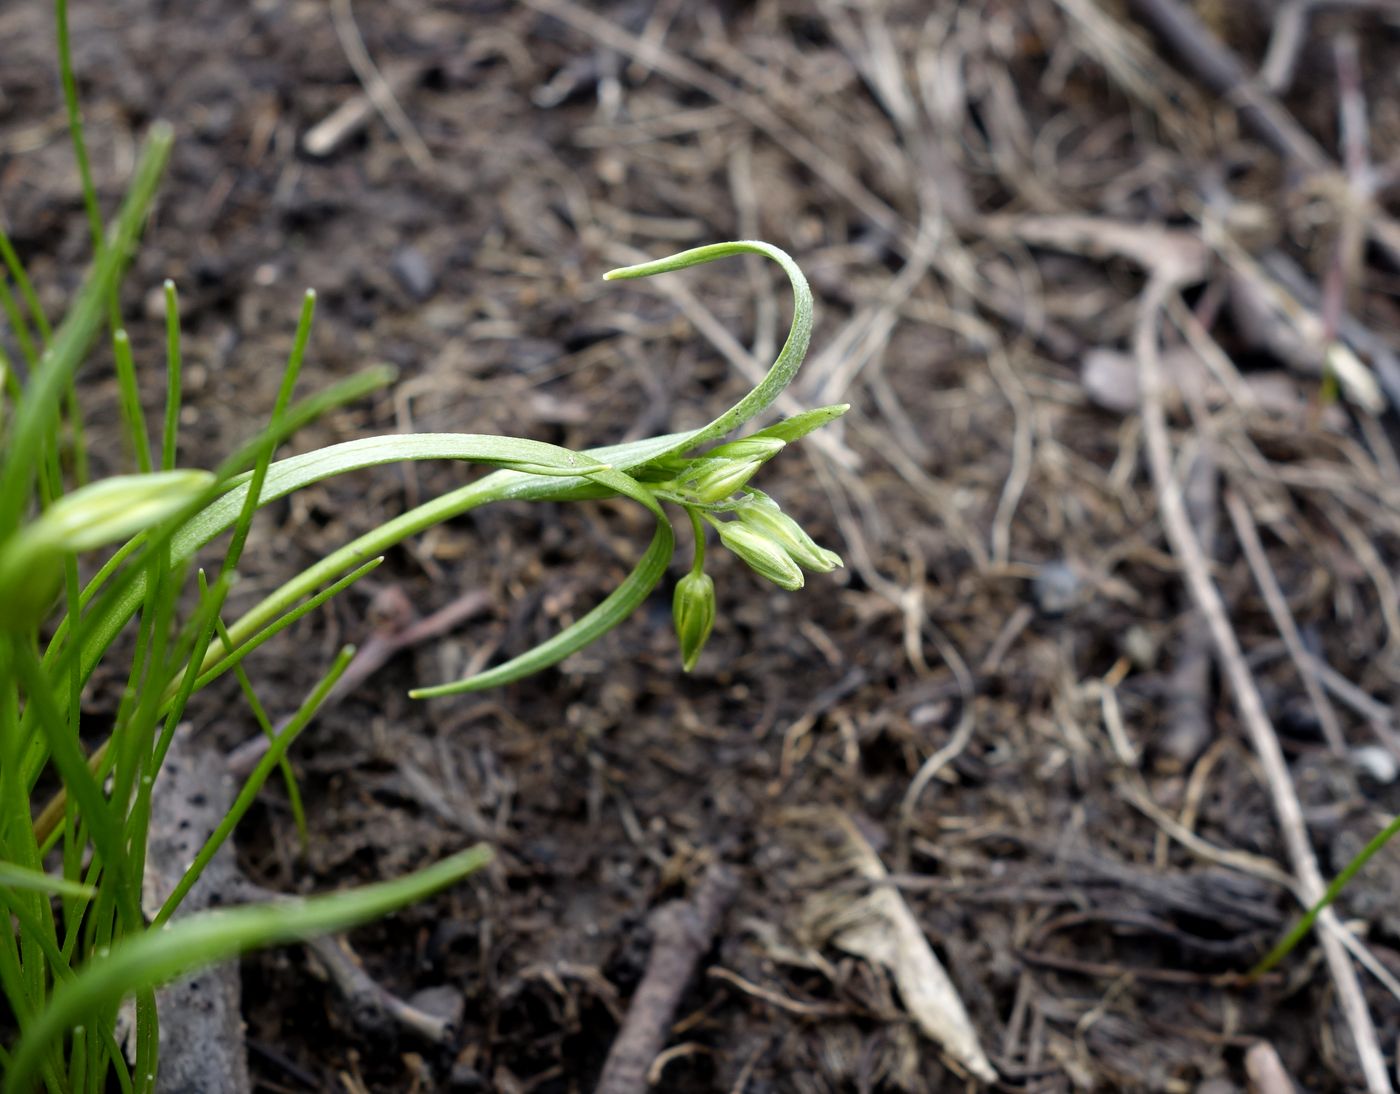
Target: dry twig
x=1248 y=534
x=1161 y=285
x=379 y=90
x=681 y=932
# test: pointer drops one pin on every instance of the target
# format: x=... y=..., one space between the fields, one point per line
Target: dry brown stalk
x=1250 y=706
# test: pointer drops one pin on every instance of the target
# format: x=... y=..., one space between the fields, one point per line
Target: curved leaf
x=13 y=876
x=620 y=604
x=789 y=357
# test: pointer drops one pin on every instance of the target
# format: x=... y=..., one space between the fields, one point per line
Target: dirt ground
x=1011 y=213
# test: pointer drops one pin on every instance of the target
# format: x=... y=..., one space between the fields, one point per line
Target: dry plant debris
x=869 y=919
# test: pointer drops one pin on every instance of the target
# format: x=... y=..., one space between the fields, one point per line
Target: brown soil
x=1007 y=569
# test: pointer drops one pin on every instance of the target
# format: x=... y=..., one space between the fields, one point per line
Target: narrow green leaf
x=619 y=604
x=265 y=724
x=26 y=287
x=279 y=410
x=799 y=425
x=1300 y=930
x=133 y=417
x=789 y=357
x=45 y=388
x=18 y=325
x=17 y=877
x=174 y=378
x=75 y=122
x=236 y=656
x=254 y=783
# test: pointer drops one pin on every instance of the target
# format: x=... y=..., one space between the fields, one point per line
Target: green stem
x=75 y=123
x=698 y=527
x=31 y=419
x=1300 y=929
x=173 y=377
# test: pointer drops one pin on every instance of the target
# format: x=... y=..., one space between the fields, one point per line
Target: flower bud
x=763 y=515
x=693 y=610
x=30 y=578
x=765 y=557
x=749 y=448
x=114 y=509
x=710 y=480
x=31 y=561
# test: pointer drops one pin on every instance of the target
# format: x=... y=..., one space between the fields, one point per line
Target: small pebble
x=443 y=1002
x=1377 y=762
x=1110 y=381
x=412 y=271
x=464 y=1078
x=1140 y=646
x=1056 y=588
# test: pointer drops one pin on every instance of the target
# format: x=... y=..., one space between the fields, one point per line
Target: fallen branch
x=681 y=932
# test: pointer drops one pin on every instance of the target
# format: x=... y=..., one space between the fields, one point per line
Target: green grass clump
x=78 y=940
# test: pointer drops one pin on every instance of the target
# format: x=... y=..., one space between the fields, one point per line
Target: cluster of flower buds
x=769 y=541
x=773 y=544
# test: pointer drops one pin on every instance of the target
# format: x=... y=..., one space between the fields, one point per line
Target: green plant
x=79 y=940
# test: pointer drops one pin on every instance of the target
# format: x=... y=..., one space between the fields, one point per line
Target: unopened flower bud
x=693 y=610
x=114 y=509
x=709 y=480
x=763 y=515
x=749 y=448
x=765 y=557
x=30 y=577
x=107 y=511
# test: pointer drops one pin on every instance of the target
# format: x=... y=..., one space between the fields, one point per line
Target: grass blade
x=31 y=419
x=17 y=877
x=174 y=365
x=154 y=957
x=620 y=604
x=254 y=783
